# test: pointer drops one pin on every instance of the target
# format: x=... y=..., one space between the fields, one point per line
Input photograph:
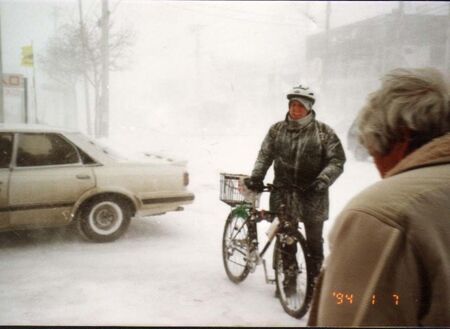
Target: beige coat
x=390 y=249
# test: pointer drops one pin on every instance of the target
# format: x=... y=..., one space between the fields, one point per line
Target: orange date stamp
x=342 y=298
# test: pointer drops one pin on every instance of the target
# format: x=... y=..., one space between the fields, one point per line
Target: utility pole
x=36 y=113
x=104 y=117
x=327 y=22
x=399 y=37
x=2 y=111
x=401 y=8
x=325 y=65
x=85 y=78
x=447 y=50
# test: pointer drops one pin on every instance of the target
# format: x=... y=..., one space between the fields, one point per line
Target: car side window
x=44 y=150
x=86 y=159
x=5 y=149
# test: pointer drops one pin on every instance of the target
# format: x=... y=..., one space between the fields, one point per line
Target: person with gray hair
x=389 y=262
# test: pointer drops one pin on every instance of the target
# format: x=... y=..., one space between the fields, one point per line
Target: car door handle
x=81 y=176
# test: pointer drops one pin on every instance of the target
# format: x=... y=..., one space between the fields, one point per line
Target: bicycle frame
x=241 y=254
x=253 y=214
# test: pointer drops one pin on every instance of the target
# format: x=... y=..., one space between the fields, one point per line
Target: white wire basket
x=233 y=190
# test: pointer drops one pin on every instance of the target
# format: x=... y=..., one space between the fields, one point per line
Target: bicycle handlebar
x=289 y=187
x=259 y=187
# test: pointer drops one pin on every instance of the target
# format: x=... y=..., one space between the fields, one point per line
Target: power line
x=202 y=12
x=259 y=15
x=428 y=5
x=91 y=8
x=115 y=7
x=95 y=5
x=430 y=9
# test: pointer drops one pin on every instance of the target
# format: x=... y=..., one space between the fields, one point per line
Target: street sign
x=15 y=102
x=27 y=56
x=13 y=81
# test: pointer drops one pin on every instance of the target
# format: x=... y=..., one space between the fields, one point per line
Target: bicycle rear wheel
x=236 y=245
x=294 y=303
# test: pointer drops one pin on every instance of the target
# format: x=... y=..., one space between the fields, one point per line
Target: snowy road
x=166 y=270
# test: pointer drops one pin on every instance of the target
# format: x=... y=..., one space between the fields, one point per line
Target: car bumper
x=160 y=205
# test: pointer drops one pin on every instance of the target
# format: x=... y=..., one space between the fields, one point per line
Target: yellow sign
x=27 y=56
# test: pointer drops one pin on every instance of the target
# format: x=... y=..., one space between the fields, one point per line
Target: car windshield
x=100 y=146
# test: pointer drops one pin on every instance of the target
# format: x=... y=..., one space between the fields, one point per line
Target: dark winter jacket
x=301 y=153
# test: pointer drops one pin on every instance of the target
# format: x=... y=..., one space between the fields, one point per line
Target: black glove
x=318 y=185
x=254 y=184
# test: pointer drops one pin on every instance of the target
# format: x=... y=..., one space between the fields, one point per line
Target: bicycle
x=240 y=245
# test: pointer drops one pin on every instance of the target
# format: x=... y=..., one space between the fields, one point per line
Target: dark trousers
x=314 y=242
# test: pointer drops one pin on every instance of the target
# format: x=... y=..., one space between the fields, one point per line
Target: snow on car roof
x=85 y=143
x=23 y=127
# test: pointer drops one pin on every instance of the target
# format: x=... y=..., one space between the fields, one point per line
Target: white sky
x=194 y=65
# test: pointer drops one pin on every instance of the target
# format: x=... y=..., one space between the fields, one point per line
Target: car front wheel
x=105 y=219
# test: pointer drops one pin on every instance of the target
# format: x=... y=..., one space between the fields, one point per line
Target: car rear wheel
x=105 y=219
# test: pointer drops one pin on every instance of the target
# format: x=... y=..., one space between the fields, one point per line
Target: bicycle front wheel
x=293 y=282
x=236 y=245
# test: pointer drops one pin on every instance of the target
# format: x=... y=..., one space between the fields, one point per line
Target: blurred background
x=205 y=68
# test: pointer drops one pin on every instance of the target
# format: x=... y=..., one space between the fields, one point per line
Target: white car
x=51 y=177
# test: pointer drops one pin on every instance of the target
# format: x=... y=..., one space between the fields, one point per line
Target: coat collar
x=299 y=124
x=433 y=153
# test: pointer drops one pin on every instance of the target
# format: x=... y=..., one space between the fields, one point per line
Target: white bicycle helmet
x=301 y=92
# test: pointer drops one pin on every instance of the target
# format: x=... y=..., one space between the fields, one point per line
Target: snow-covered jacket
x=301 y=151
x=390 y=249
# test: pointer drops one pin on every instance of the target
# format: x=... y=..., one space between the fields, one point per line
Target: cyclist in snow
x=308 y=157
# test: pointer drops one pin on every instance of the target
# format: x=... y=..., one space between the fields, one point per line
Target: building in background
x=349 y=60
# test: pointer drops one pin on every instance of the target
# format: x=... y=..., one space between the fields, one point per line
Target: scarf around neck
x=300 y=123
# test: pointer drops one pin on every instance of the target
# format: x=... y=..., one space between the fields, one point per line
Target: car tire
x=104 y=219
